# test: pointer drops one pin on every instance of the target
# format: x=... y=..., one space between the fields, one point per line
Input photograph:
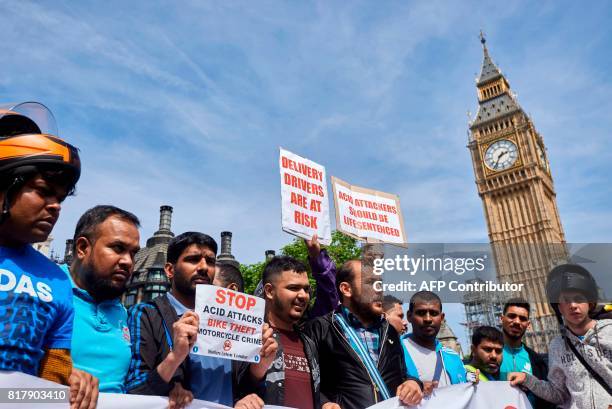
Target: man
x=228 y=276
x=518 y=357
x=394 y=313
x=487 y=351
x=37 y=172
x=426 y=358
x=580 y=364
x=359 y=352
x=293 y=379
x=106 y=240
x=165 y=330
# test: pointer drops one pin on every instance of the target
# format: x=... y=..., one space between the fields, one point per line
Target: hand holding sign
x=313 y=246
x=185 y=333
x=267 y=353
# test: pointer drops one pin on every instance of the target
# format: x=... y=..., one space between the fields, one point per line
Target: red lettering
x=220 y=296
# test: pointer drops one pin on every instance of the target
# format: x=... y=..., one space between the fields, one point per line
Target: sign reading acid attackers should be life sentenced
x=305 y=203
x=230 y=323
x=367 y=214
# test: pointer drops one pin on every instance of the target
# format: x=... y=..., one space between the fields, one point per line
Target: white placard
x=230 y=323
x=485 y=395
x=304 y=199
x=367 y=214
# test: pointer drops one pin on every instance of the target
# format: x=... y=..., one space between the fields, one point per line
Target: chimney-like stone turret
x=270 y=254
x=225 y=256
x=165 y=219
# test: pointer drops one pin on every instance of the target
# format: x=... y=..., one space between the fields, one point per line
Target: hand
x=267 y=353
x=179 y=397
x=83 y=390
x=313 y=246
x=409 y=393
x=517 y=378
x=331 y=405
x=428 y=387
x=473 y=377
x=251 y=401
x=185 y=333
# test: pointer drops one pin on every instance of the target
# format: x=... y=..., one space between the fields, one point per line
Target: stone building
x=515 y=183
x=149 y=278
x=447 y=337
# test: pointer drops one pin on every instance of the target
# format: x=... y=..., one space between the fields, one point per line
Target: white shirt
x=425 y=361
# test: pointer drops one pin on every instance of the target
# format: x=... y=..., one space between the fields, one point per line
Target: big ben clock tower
x=516 y=187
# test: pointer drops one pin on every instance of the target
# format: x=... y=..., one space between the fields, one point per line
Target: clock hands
x=498 y=159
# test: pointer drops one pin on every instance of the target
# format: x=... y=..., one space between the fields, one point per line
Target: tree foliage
x=341 y=249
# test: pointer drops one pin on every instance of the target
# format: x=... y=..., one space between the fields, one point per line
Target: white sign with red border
x=304 y=198
x=230 y=323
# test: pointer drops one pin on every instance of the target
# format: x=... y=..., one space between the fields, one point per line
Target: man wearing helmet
x=37 y=172
x=580 y=360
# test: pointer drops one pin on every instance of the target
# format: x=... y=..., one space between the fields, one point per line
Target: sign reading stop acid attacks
x=367 y=214
x=230 y=323
x=305 y=203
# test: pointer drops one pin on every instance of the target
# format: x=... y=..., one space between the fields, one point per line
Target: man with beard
x=165 y=330
x=106 y=240
x=426 y=358
x=518 y=357
x=359 y=352
x=293 y=379
x=487 y=349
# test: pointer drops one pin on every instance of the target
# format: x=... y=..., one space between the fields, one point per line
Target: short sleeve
x=59 y=335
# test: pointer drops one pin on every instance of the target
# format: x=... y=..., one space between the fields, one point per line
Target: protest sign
x=230 y=323
x=485 y=395
x=305 y=203
x=367 y=214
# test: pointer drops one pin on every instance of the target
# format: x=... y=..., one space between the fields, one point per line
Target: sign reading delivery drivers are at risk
x=305 y=203
x=230 y=323
x=367 y=214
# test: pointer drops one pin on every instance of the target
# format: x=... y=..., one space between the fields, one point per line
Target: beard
x=182 y=284
x=513 y=337
x=101 y=289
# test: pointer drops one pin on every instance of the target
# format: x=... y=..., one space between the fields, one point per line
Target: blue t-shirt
x=101 y=339
x=211 y=377
x=35 y=309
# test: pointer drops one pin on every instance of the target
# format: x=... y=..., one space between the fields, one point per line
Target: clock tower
x=515 y=184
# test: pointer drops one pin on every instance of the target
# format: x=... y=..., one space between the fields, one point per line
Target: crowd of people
x=350 y=349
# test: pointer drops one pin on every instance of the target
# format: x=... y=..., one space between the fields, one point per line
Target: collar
x=513 y=350
x=176 y=304
x=355 y=323
x=83 y=294
x=438 y=344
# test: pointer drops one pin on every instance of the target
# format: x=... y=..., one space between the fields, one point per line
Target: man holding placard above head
x=360 y=353
x=165 y=330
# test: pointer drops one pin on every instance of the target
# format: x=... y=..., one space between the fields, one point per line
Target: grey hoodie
x=569 y=383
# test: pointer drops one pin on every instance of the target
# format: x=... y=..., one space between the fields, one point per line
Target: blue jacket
x=451 y=362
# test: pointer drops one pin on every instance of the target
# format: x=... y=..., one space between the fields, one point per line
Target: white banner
x=20 y=381
x=367 y=214
x=304 y=199
x=485 y=395
x=230 y=323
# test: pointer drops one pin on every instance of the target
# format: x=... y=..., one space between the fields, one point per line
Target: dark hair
x=346 y=274
x=389 y=302
x=517 y=302
x=425 y=297
x=489 y=333
x=179 y=243
x=278 y=264
x=92 y=218
x=229 y=274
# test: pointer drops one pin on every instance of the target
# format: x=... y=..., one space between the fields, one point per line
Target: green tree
x=341 y=249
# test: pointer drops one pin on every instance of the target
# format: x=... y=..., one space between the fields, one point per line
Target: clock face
x=501 y=155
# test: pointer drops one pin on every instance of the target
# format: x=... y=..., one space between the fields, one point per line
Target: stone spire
x=489 y=70
x=225 y=256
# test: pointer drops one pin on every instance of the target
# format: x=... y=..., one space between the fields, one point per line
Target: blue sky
x=185 y=103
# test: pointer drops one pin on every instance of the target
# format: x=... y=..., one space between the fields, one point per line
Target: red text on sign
x=240 y=301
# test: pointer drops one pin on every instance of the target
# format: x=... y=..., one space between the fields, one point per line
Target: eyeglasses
x=512 y=316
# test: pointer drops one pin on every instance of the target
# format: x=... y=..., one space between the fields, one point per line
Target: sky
x=186 y=103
